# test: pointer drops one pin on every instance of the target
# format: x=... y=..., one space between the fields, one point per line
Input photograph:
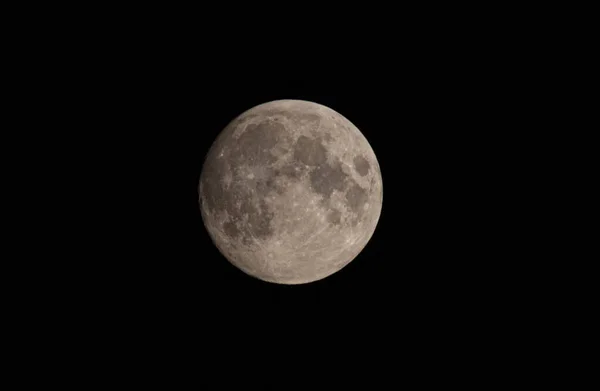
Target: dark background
x=446 y=100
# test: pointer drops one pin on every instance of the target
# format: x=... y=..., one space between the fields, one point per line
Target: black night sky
x=445 y=96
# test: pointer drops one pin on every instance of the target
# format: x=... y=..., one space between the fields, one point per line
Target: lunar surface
x=290 y=192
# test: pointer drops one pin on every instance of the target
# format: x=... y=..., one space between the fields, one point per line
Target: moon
x=290 y=192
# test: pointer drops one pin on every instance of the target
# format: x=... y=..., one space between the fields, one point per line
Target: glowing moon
x=290 y=192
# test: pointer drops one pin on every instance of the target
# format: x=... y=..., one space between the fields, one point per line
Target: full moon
x=290 y=192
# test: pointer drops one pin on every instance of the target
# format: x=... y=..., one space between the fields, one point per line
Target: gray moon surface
x=290 y=192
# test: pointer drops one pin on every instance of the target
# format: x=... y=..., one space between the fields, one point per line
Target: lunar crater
x=361 y=165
